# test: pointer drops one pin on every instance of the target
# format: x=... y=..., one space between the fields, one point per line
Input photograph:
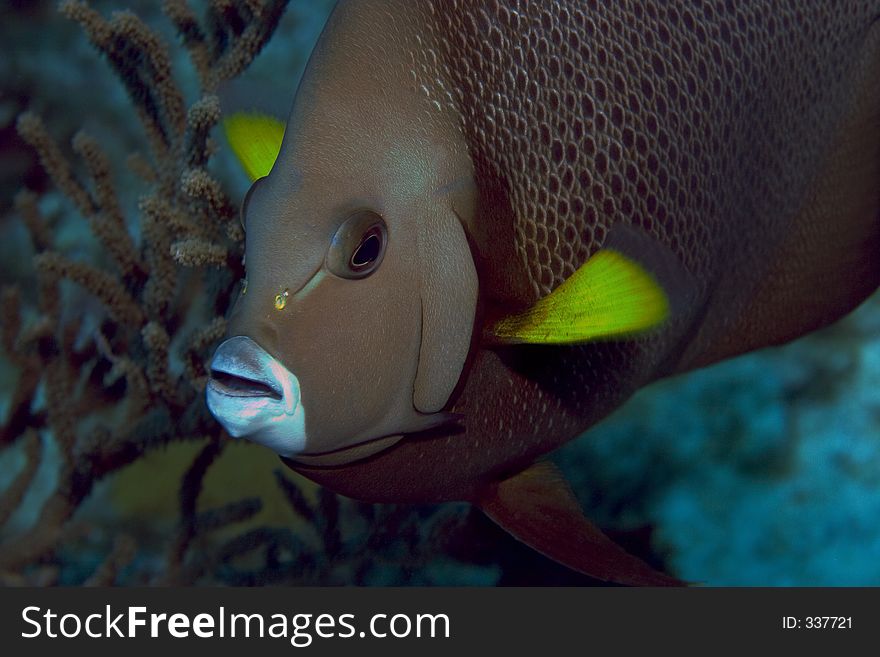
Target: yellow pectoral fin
x=609 y=297
x=255 y=140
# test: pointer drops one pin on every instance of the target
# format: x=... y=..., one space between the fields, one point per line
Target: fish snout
x=254 y=396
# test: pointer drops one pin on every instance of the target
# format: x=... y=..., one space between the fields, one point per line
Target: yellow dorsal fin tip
x=255 y=139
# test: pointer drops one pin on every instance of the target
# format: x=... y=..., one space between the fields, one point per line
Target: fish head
x=355 y=319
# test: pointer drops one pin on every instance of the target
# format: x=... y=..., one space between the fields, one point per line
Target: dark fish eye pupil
x=367 y=251
x=358 y=245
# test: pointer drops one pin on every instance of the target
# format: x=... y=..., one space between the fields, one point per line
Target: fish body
x=448 y=166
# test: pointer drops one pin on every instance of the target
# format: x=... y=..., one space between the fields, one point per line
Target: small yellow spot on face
x=243 y=286
x=281 y=300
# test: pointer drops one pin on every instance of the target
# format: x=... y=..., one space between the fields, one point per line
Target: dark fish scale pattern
x=653 y=114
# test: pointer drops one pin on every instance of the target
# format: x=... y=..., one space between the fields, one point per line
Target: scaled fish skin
x=489 y=223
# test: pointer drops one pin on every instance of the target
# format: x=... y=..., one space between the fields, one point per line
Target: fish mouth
x=233 y=385
x=254 y=396
x=242 y=368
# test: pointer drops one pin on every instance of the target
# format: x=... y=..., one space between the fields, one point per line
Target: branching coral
x=107 y=387
x=120 y=376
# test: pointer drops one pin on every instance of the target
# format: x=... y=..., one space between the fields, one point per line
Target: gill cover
x=449 y=286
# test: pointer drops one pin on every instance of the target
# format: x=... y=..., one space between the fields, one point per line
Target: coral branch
x=124 y=550
x=33 y=131
x=133 y=373
x=58 y=381
x=189 y=495
x=119 y=303
x=295 y=498
x=19 y=347
x=33 y=450
x=157 y=341
x=138 y=164
x=10 y=321
x=194 y=367
x=143 y=66
x=26 y=206
x=329 y=513
x=108 y=225
x=251 y=39
x=198 y=253
x=45 y=534
x=158 y=221
x=193 y=37
x=199 y=184
x=156 y=65
x=202 y=116
x=239 y=511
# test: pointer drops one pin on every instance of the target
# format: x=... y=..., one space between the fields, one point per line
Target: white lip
x=270 y=413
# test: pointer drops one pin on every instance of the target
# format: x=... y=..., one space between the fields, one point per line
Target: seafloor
x=763 y=470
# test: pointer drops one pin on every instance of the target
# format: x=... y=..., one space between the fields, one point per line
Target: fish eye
x=367 y=251
x=358 y=246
